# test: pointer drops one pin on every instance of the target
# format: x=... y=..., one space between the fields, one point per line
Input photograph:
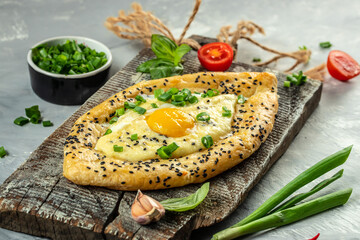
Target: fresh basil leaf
x=180 y=52
x=163 y=47
x=177 y=70
x=187 y=203
x=153 y=63
x=160 y=72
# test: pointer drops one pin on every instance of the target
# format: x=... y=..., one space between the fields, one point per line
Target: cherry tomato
x=342 y=66
x=216 y=56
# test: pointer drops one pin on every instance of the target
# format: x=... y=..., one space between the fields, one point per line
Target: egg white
x=149 y=141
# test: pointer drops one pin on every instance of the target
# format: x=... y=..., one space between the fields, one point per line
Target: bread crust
x=251 y=124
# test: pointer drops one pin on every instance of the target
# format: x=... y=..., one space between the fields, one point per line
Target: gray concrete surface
x=288 y=24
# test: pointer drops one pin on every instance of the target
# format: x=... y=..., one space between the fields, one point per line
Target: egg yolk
x=170 y=122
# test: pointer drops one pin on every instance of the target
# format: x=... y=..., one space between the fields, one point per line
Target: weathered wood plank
x=38 y=200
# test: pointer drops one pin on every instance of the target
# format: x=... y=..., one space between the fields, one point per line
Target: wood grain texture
x=38 y=200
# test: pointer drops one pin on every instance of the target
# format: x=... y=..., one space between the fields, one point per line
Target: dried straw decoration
x=141 y=25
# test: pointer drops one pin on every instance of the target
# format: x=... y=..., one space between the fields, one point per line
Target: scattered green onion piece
x=288 y=215
x=304 y=178
x=158 y=92
x=178 y=104
x=137 y=103
x=108 y=132
x=35 y=119
x=241 y=99
x=303 y=47
x=119 y=112
x=203 y=95
x=203 y=116
x=140 y=98
x=172 y=147
x=21 y=121
x=32 y=110
x=134 y=137
x=193 y=99
x=113 y=120
x=118 y=148
x=164 y=97
x=256 y=60
x=129 y=105
x=207 y=141
x=287 y=84
x=325 y=44
x=140 y=110
x=3 y=152
x=154 y=105
x=47 y=124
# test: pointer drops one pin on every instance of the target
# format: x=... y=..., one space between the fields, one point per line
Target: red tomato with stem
x=342 y=66
x=216 y=56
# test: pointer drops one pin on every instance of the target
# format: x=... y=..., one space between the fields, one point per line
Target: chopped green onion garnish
x=186 y=92
x=137 y=103
x=226 y=113
x=119 y=112
x=210 y=93
x=47 y=124
x=172 y=147
x=162 y=154
x=178 y=104
x=203 y=116
x=203 y=95
x=296 y=79
x=2 y=152
x=207 y=141
x=178 y=98
x=217 y=92
x=108 y=132
x=154 y=105
x=118 y=148
x=256 y=60
x=164 y=97
x=140 y=110
x=325 y=44
x=140 y=98
x=113 y=120
x=134 y=137
x=21 y=121
x=129 y=105
x=287 y=83
x=158 y=92
x=241 y=99
x=302 y=47
x=165 y=151
x=193 y=99
x=173 y=91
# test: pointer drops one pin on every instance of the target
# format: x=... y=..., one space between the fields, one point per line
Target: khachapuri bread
x=172 y=132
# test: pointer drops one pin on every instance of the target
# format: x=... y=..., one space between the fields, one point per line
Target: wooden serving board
x=37 y=199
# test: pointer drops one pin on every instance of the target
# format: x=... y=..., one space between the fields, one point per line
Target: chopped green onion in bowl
x=70 y=58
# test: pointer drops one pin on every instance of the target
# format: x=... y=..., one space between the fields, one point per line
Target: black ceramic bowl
x=68 y=89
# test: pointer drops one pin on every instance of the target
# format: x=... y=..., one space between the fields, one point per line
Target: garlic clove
x=145 y=209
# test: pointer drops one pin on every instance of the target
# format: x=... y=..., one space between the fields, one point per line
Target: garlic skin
x=145 y=209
